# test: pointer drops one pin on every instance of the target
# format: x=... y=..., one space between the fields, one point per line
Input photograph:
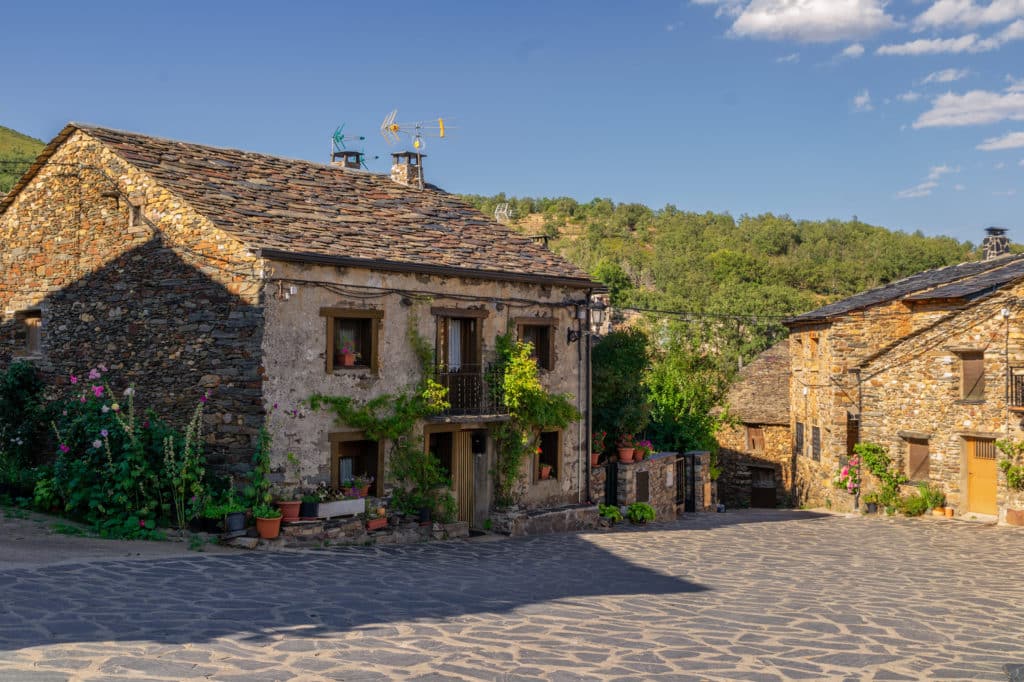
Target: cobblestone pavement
x=749 y=595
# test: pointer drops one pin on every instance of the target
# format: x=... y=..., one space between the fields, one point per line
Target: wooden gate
x=981 y=476
x=462 y=473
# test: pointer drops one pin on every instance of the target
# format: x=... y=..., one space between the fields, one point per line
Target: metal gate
x=611 y=483
x=686 y=482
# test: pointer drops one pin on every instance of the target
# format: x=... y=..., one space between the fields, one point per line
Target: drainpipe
x=588 y=417
x=860 y=429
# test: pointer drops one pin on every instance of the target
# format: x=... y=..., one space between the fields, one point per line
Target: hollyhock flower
x=129 y=391
x=94 y=374
x=97 y=444
x=64 y=448
x=203 y=398
x=81 y=399
x=142 y=524
x=105 y=409
x=97 y=391
x=103 y=368
x=73 y=379
x=104 y=433
x=115 y=407
x=145 y=424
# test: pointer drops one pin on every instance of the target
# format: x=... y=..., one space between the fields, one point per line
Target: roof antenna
x=392 y=130
x=341 y=155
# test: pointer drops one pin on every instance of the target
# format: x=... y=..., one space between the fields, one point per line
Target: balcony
x=469 y=391
x=1017 y=389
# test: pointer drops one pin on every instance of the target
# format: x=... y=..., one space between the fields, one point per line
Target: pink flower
x=845 y=472
x=145 y=424
x=81 y=399
x=104 y=433
x=97 y=444
x=97 y=391
x=103 y=368
x=94 y=374
x=142 y=524
x=73 y=379
x=64 y=448
x=203 y=398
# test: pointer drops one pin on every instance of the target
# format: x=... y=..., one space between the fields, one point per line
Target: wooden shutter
x=643 y=486
x=852 y=433
x=918 y=460
x=798 y=442
x=973 y=376
x=755 y=438
x=816 y=443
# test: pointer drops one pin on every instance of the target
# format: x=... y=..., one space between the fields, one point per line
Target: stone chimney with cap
x=347 y=158
x=407 y=168
x=996 y=243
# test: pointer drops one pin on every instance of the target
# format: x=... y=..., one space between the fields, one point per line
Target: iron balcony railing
x=473 y=389
x=1017 y=387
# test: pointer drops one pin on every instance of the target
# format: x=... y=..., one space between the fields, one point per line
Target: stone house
x=755 y=450
x=930 y=366
x=189 y=269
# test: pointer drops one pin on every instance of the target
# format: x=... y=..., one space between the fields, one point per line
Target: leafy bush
x=913 y=505
x=932 y=495
x=876 y=460
x=640 y=512
x=610 y=512
x=22 y=425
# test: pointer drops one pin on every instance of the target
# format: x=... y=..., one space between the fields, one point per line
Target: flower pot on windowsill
x=625 y=454
x=545 y=472
x=347 y=359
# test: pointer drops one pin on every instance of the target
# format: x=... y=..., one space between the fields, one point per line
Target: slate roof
x=284 y=206
x=760 y=394
x=974 y=287
x=967 y=276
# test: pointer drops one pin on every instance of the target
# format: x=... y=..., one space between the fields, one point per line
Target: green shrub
x=610 y=512
x=932 y=495
x=913 y=505
x=640 y=512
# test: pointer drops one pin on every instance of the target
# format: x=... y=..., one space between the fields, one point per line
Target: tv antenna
x=504 y=213
x=392 y=130
x=350 y=158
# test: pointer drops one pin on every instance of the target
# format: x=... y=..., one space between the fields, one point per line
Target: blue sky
x=907 y=114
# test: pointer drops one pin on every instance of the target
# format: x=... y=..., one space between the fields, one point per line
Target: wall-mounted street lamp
x=596 y=310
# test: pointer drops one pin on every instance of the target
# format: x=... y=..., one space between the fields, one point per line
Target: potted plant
x=933 y=497
x=640 y=513
x=346 y=354
x=334 y=502
x=626 y=444
x=358 y=486
x=234 y=511
x=268 y=521
x=642 y=451
x=545 y=472
x=870 y=502
x=309 y=508
x=597 y=446
x=375 y=520
x=290 y=508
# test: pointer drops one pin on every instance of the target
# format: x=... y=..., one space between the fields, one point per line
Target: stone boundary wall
x=661 y=483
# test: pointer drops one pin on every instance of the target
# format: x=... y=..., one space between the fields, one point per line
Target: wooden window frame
x=441 y=316
x=31 y=323
x=972 y=391
x=799 y=439
x=755 y=437
x=547 y=322
x=816 y=443
x=917 y=443
x=335 y=439
x=376 y=318
x=556 y=468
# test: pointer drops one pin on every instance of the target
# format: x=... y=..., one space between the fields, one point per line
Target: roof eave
x=423 y=269
x=48 y=151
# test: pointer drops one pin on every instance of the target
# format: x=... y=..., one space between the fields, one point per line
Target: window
x=537 y=331
x=917 y=459
x=352 y=338
x=798 y=440
x=816 y=443
x=755 y=438
x=458 y=359
x=28 y=332
x=550 y=453
x=972 y=375
x=814 y=344
x=351 y=456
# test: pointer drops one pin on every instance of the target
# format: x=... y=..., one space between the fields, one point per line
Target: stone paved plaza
x=748 y=595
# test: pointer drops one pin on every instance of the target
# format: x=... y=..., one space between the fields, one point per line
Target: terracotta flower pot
x=268 y=528
x=939 y=511
x=594 y=457
x=545 y=472
x=949 y=512
x=289 y=510
x=376 y=524
x=625 y=454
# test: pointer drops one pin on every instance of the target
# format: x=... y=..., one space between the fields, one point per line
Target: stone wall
x=294 y=349
x=736 y=459
x=661 y=484
x=167 y=301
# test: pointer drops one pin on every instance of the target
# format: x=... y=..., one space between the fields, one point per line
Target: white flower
x=129 y=391
x=97 y=443
x=105 y=409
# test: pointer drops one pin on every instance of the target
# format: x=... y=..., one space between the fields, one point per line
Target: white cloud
x=909 y=96
x=725 y=8
x=972 y=108
x=789 y=58
x=812 y=21
x=862 y=102
x=936 y=172
x=1007 y=141
x=1016 y=84
x=1000 y=166
x=968 y=43
x=1021 y=163
x=853 y=51
x=966 y=13
x=917 y=191
x=946 y=76
x=1005 y=193
x=959 y=187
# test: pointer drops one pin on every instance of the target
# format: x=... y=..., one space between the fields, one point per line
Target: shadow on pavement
x=309 y=594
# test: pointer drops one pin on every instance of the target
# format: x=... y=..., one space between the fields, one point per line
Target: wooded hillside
x=17 y=151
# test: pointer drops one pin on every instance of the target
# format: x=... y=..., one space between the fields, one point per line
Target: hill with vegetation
x=722 y=287
x=17 y=152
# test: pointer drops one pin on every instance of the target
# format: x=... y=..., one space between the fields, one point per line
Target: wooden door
x=462 y=473
x=981 y=476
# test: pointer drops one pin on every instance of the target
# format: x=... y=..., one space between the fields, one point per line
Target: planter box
x=327 y=510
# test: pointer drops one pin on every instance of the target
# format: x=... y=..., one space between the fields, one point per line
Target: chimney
x=347 y=159
x=407 y=168
x=996 y=243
